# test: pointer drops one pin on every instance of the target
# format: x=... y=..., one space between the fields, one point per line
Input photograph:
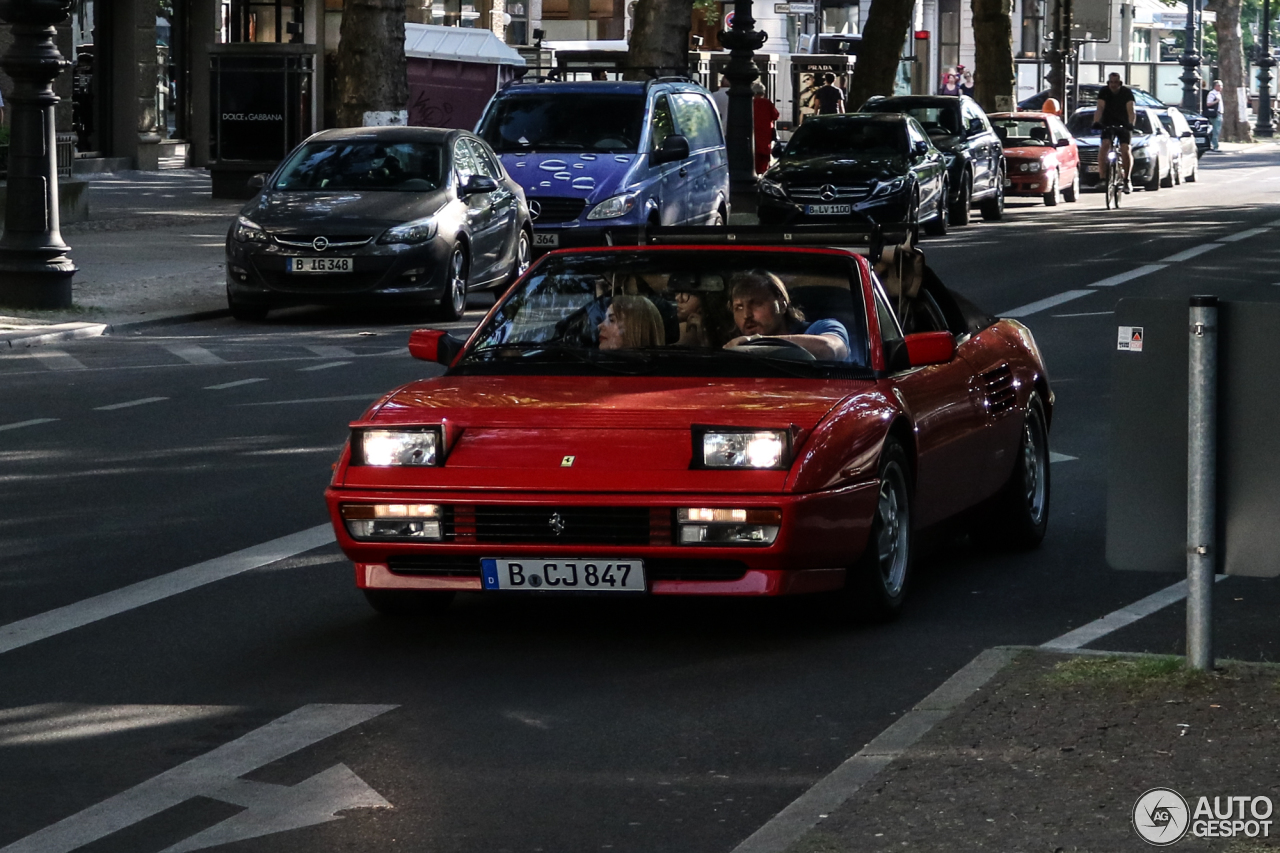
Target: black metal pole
x=1190 y=64
x=35 y=271
x=743 y=41
x=1265 y=63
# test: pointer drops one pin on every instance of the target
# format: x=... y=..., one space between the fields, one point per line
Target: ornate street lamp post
x=1190 y=63
x=743 y=41
x=35 y=271
x=1265 y=63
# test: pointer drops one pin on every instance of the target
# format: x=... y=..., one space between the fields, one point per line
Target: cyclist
x=1115 y=110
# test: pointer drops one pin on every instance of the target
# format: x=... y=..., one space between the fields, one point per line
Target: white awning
x=1156 y=15
x=461 y=44
x=616 y=45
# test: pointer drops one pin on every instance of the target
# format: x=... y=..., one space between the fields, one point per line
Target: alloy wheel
x=458 y=282
x=893 y=541
x=1033 y=466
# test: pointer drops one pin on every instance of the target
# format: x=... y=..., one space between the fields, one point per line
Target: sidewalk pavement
x=152 y=249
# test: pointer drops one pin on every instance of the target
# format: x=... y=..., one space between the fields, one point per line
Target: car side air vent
x=998 y=387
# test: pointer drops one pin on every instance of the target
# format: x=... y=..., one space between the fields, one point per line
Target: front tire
x=1021 y=510
x=1071 y=193
x=993 y=208
x=878 y=581
x=454 y=302
x=962 y=210
x=1155 y=182
x=402 y=603
x=1051 y=194
x=937 y=227
x=1168 y=182
x=524 y=255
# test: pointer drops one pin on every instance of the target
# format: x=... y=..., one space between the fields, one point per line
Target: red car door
x=949 y=427
x=1068 y=155
x=994 y=395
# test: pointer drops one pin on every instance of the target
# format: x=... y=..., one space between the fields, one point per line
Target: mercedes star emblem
x=828 y=192
x=556 y=523
x=535 y=209
x=320 y=244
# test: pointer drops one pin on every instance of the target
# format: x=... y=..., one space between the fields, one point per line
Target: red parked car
x=733 y=420
x=1042 y=156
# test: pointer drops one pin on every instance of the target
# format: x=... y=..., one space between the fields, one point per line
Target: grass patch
x=1142 y=672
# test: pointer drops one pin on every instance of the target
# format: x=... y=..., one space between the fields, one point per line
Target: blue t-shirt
x=827 y=327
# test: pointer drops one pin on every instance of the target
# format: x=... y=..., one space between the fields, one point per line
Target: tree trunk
x=994 y=76
x=659 y=38
x=372 y=70
x=1231 y=69
x=881 y=50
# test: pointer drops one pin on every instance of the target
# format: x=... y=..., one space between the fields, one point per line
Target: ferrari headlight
x=247 y=231
x=759 y=449
x=612 y=208
x=771 y=188
x=417 y=231
x=393 y=521
x=386 y=447
x=713 y=526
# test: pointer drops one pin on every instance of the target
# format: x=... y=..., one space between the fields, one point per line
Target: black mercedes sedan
x=974 y=154
x=379 y=216
x=857 y=167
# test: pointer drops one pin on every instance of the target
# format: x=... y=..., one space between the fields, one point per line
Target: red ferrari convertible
x=681 y=419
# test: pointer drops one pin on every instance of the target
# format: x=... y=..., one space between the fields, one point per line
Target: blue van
x=601 y=156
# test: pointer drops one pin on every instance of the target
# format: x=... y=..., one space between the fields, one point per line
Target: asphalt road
x=221 y=706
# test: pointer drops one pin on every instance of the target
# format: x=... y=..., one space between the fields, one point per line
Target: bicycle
x=1115 y=180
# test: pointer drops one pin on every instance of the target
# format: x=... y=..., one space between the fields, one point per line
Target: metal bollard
x=1202 y=440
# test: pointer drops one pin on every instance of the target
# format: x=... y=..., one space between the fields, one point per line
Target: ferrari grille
x=569 y=525
x=998 y=386
x=454 y=567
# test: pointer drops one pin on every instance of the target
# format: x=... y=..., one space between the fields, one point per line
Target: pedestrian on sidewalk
x=828 y=99
x=766 y=117
x=1213 y=112
x=966 y=83
x=721 y=99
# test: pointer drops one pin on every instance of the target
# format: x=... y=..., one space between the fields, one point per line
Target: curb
x=38 y=335
x=193 y=317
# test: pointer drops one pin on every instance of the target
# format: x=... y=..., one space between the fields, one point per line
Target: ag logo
x=1161 y=817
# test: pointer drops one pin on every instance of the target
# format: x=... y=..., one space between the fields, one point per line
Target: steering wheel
x=776 y=348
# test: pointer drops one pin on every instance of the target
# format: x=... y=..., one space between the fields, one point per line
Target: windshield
x=1017 y=133
x=363 y=164
x=937 y=121
x=564 y=121
x=670 y=312
x=870 y=137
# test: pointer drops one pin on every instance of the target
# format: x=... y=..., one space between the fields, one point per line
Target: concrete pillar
x=134 y=131
x=202 y=22
x=313 y=32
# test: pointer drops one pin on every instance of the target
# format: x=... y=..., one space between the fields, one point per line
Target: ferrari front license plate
x=559 y=575
x=549 y=241
x=828 y=209
x=319 y=264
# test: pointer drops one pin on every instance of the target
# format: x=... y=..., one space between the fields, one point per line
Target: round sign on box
x=728 y=20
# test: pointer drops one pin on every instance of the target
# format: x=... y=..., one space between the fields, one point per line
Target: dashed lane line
x=323 y=366
x=193 y=354
x=1043 y=304
x=1085 y=314
x=129 y=404
x=1188 y=254
x=1242 y=235
x=1121 y=278
x=24 y=632
x=21 y=424
x=1054 y=456
x=236 y=384
x=350 y=397
x=56 y=359
x=331 y=351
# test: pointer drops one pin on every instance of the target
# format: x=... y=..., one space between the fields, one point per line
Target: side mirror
x=257 y=182
x=479 y=184
x=1186 y=134
x=976 y=126
x=1062 y=143
x=925 y=348
x=776 y=150
x=920 y=149
x=674 y=147
x=433 y=345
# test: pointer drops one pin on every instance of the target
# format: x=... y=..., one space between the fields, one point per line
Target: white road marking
x=1061 y=457
x=323 y=366
x=32 y=422
x=1275 y=224
x=194 y=354
x=235 y=384
x=129 y=404
x=830 y=792
x=349 y=397
x=15 y=635
x=1043 y=304
x=1128 y=276
x=269 y=808
x=56 y=359
x=1242 y=235
x=1085 y=314
x=1188 y=254
x=1098 y=628
x=331 y=351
